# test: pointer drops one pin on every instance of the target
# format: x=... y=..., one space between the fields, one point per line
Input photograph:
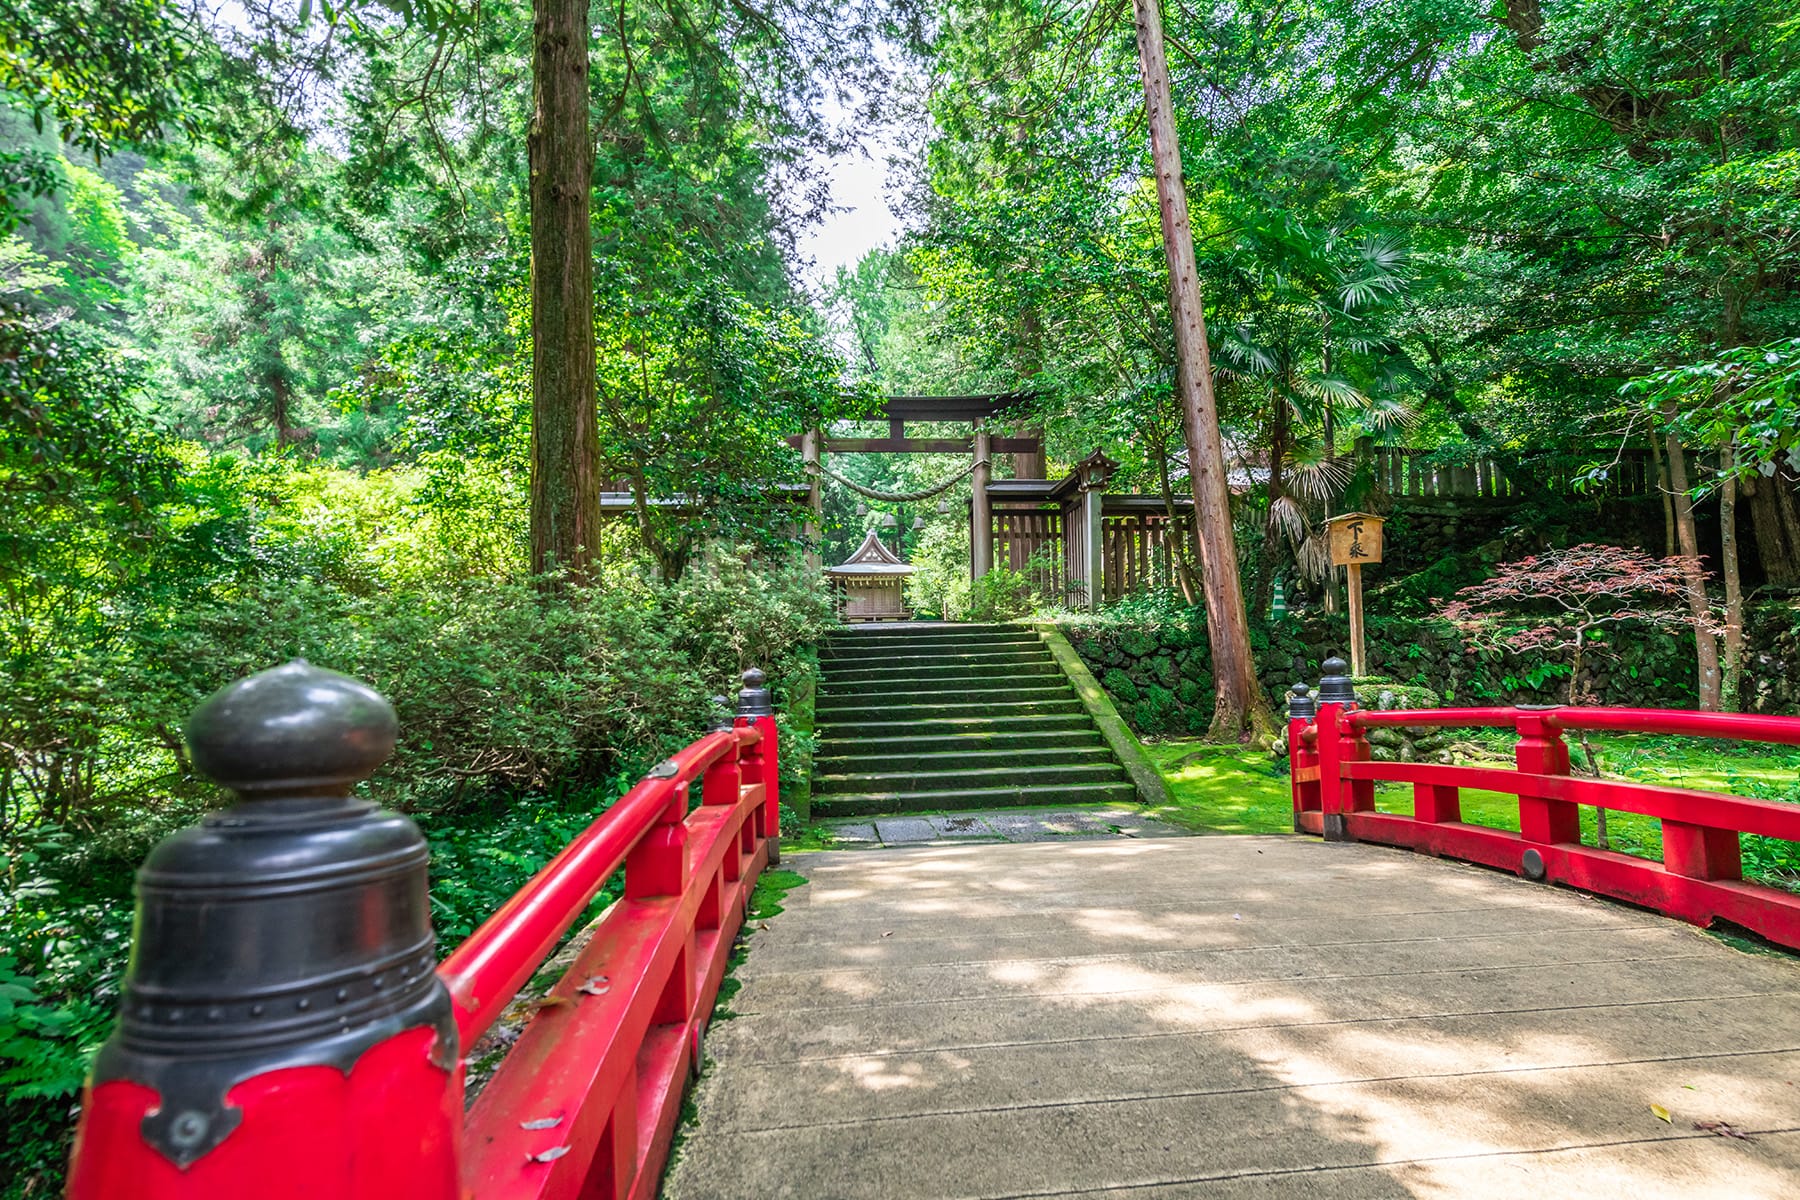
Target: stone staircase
x=926 y=717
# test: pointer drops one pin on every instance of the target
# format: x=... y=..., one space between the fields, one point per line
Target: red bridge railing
x=284 y=1033
x=1700 y=878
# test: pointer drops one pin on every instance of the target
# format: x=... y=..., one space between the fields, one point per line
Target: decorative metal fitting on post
x=1334 y=682
x=1302 y=705
x=291 y=929
x=722 y=714
x=755 y=700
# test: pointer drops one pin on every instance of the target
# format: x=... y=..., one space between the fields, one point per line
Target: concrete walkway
x=1236 y=1016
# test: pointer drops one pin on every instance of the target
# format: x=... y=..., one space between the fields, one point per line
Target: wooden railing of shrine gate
x=1700 y=878
x=285 y=1033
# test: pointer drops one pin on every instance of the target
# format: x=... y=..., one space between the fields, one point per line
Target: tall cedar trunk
x=565 y=439
x=1775 y=522
x=1238 y=701
x=1706 y=646
x=1732 y=691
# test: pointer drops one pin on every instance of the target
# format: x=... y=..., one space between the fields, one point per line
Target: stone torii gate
x=1098 y=546
x=976 y=411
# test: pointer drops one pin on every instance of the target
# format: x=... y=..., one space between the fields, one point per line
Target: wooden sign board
x=1355 y=539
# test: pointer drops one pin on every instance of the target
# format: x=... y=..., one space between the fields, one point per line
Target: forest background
x=265 y=337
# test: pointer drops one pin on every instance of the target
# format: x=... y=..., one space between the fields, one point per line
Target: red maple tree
x=1562 y=596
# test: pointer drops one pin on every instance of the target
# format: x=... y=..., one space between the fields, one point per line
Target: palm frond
x=1317 y=480
x=1314 y=557
x=1287 y=517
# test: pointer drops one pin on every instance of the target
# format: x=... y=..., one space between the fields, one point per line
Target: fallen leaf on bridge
x=1723 y=1130
x=1661 y=1113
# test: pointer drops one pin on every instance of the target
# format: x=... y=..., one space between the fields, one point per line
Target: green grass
x=1230 y=789
x=1222 y=789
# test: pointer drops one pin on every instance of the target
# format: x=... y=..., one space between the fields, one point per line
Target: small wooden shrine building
x=1079 y=543
x=873 y=582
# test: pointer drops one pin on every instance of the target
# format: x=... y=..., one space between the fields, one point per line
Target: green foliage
x=1002 y=594
x=103 y=73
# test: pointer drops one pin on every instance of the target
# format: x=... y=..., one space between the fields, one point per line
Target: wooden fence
x=1019 y=536
x=1137 y=553
x=1050 y=548
x=1415 y=474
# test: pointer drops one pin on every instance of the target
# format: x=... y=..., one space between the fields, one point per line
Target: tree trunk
x=1775 y=523
x=1268 y=561
x=1706 y=646
x=1732 y=692
x=1239 y=706
x=1661 y=472
x=565 y=439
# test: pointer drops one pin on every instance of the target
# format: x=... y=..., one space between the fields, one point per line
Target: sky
x=858 y=182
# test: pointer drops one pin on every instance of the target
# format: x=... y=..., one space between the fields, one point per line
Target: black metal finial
x=722 y=714
x=291 y=929
x=1301 y=703
x=292 y=729
x=1334 y=682
x=755 y=700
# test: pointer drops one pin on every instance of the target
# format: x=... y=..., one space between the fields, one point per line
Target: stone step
x=926 y=629
x=883 y=727
x=927 y=712
x=943 y=691
x=926 y=656
x=850 y=644
x=1031 y=778
x=937 y=771
x=902 y=745
x=946 y=671
x=862 y=804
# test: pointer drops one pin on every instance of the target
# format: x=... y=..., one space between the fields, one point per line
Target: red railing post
x=1303 y=755
x=1702 y=853
x=1542 y=751
x=282 y=1033
x=1339 y=743
x=756 y=707
x=657 y=865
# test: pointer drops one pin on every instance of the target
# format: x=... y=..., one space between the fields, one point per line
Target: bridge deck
x=1236 y=1016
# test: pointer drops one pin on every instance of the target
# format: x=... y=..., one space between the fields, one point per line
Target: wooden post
x=812 y=456
x=1355 y=539
x=981 y=513
x=1093 y=527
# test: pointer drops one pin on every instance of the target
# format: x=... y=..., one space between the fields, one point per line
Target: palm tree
x=1313 y=352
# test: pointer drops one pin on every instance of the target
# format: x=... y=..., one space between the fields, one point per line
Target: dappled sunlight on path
x=1237 y=1017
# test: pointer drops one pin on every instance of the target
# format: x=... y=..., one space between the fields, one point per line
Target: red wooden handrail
x=586 y=1101
x=1700 y=878
x=487 y=970
x=337 y=1065
x=1741 y=727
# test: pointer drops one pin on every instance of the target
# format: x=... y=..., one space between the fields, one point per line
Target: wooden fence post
x=981 y=510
